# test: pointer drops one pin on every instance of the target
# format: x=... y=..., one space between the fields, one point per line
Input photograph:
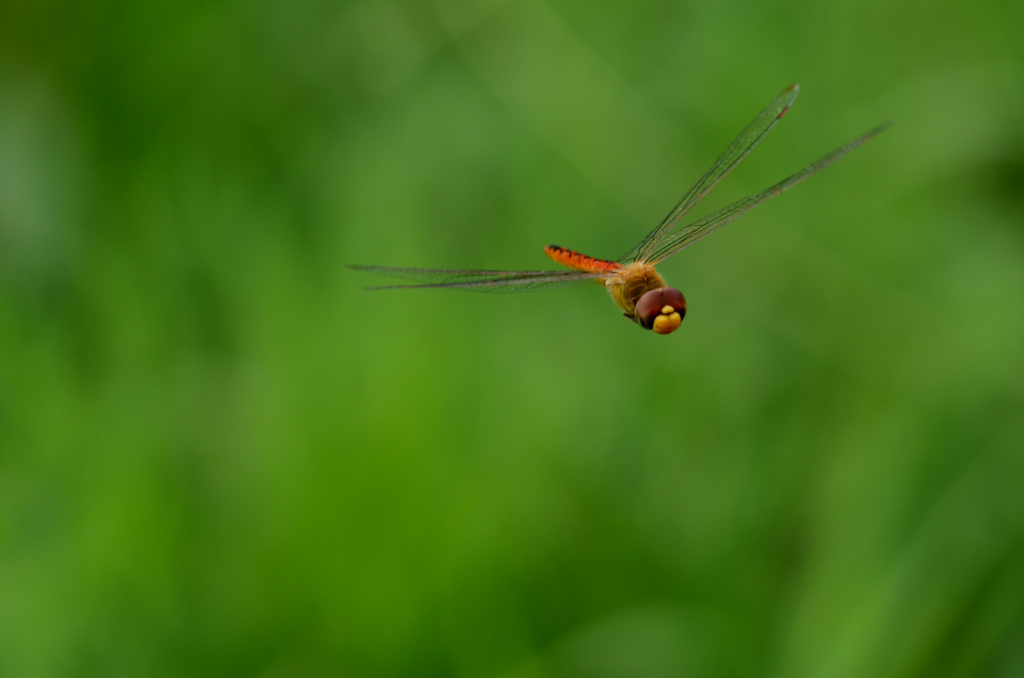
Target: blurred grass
x=220 y=456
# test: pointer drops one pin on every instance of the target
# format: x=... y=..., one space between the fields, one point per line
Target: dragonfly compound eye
x=661 y=309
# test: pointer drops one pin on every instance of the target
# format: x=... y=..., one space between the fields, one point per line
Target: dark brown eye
x=661 y=310
x=675 y=299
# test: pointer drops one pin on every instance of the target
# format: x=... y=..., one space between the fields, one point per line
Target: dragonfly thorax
x=632 y=282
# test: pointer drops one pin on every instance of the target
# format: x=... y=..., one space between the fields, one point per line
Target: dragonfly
x=634 y=284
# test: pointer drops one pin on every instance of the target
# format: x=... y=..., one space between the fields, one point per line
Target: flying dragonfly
x=632 y=280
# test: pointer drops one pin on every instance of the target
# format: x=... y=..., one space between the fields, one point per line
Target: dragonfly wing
x=484 y=281
x=739 y=149
x=698 y=229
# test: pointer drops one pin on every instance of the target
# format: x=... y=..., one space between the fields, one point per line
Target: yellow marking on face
x=667 y=310
x=665 y=324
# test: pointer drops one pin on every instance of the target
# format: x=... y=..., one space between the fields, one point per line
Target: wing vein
x=739 y=149
x=693 y=232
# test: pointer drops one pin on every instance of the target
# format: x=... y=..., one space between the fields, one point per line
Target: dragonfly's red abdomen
x=580 y=262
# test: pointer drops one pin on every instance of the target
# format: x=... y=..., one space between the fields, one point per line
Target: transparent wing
x=698 y=229
x=484 y=281
x=733 y=155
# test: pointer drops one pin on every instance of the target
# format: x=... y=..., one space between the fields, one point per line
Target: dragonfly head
x=661 y=309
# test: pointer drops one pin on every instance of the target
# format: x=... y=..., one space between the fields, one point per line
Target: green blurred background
x=219 y=455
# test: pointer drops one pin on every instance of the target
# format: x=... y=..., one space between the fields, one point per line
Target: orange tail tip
x=577 y=261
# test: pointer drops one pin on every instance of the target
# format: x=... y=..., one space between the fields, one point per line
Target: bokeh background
x=219 y=455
